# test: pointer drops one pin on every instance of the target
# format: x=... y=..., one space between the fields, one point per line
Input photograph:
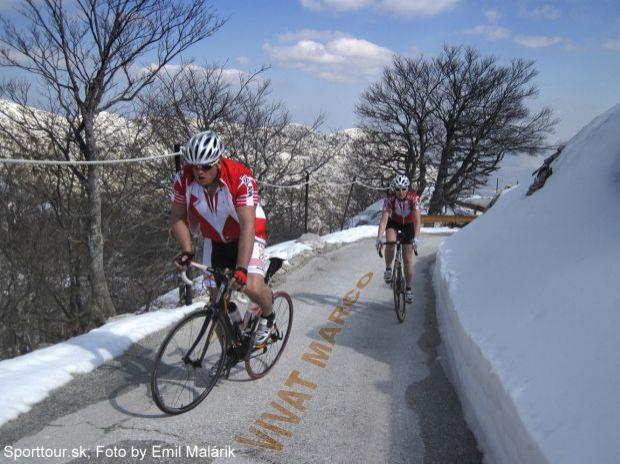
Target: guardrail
x=450 y=220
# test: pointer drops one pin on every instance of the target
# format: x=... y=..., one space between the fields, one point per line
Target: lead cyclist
x=219 y=197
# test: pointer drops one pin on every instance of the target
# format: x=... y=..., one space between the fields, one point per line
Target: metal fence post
x=306 y=206
x=186 y=292
x=177 y=158
x=346 y=208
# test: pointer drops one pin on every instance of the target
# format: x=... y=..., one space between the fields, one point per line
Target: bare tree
x=86 y=56
x=449 y=120
x=396 y=115
x=482 y=111
x=43 y=254
x=188 y=98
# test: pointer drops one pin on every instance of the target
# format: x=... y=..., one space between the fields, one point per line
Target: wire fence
x=314 y=182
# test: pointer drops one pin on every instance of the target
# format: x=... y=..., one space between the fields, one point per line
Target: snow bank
x=529 y=311
x=28 y=379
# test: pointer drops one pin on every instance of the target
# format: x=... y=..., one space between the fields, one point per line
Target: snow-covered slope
x=529 y=309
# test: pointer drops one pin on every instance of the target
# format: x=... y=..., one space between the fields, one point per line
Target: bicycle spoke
x=188 y=364
x=259 y=360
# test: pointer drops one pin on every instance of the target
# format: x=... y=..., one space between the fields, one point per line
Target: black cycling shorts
x=224 y=255
x=407 y=230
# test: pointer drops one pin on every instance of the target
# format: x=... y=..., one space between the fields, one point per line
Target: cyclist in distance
x=401 y=211
x=219 y=198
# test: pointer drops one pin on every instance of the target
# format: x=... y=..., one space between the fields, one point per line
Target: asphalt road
x=380 y=394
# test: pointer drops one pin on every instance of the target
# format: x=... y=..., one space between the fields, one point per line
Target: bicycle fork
x=198 y=361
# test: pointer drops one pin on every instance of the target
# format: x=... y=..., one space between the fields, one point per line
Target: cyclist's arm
x=180 y=230
x=418 y=223
x=383 y=223
x=247 y=216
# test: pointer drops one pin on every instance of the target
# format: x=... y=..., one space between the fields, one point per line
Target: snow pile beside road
x=529 y=311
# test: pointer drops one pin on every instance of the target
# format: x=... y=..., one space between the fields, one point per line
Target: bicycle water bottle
x=248 y=318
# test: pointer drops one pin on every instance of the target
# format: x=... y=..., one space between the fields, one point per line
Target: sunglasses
x=402 y=189
x=204 y=167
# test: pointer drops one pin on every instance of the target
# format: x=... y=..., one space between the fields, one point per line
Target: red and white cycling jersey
x=402 y=211
x=216 y=216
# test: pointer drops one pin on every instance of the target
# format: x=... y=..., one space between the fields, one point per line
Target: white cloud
x=612 y=44
x=243 y=59
x=330 y=55
x=495 y=32
x=537 y=41
x=233 y=75
x=303 y=51
x=350 y=47
x=491 y=31
x=406 y=7
x=543 y=12
x=337 y=5
x=418 y=7
x=310 y=34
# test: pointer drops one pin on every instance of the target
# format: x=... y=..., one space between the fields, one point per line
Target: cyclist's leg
x=256 y=288
x=390 y=236
x=408 y=234
x=408 y=261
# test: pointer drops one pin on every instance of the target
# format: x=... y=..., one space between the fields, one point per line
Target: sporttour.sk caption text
x=119 y=452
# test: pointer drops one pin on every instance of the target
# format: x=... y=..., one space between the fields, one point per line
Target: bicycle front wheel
x=188 y=363
x=260 y=359
x=399 y=293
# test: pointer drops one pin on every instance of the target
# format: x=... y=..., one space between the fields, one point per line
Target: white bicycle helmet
x=400 y=181
x=203 y=148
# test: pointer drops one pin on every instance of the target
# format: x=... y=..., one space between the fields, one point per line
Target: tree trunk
x=101 y=306
x=422 y=178
x=438 y=199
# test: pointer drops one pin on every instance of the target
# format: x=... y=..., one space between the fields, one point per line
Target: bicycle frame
x=398 y=260
x=218 y=308
x=238 y=346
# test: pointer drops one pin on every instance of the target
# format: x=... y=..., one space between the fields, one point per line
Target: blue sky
x=324 y=53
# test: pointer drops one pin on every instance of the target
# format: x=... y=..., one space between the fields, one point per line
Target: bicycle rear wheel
x=399 y=293
x=188 y=363
x=260 y=359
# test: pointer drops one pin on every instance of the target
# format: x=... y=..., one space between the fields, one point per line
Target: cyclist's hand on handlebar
x=182 y=261
x=378 y=245
x=240 y=278
x=416 y=244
